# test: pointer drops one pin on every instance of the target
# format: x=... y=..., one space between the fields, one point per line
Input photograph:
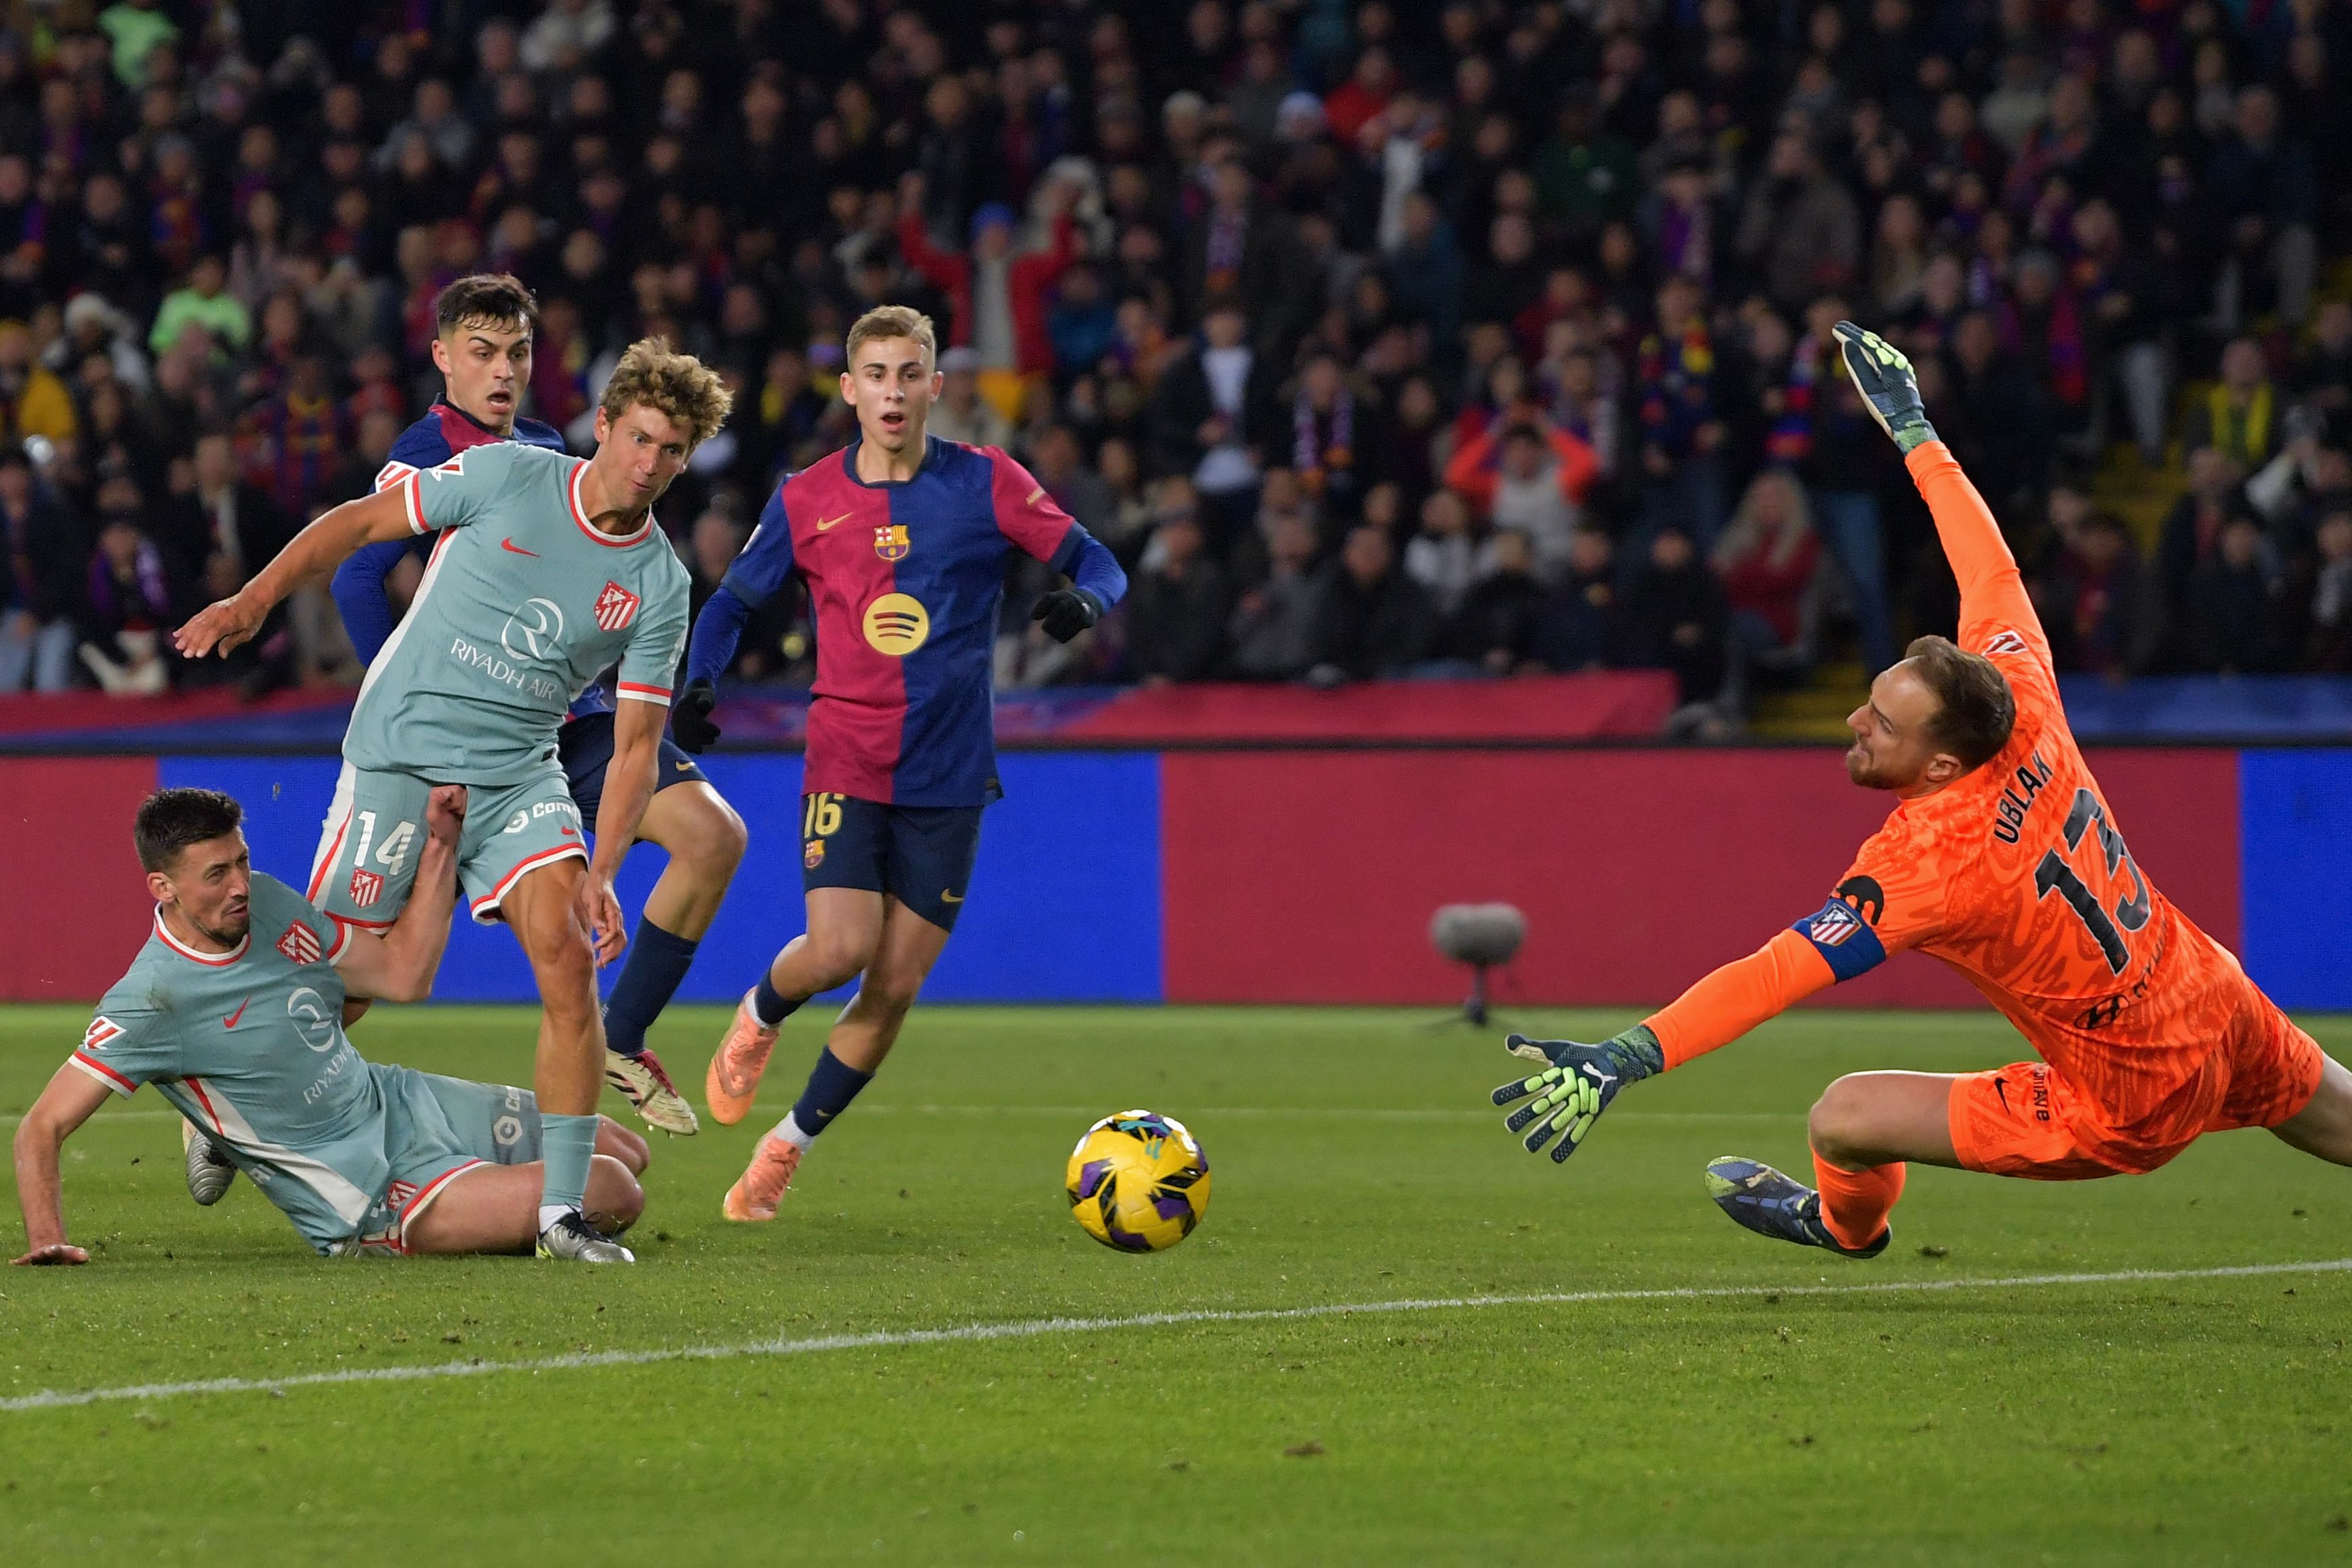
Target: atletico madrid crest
x=366 y=888
x=616 y=606
x=890 y=541
x=300 y=944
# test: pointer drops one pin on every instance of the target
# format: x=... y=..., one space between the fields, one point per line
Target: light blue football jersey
x=249 y=1047
x=522 y=604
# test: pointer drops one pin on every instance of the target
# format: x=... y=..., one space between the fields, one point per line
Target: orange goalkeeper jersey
x=2018 y=875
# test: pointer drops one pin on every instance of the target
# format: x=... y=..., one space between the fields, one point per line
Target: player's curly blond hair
x=679 y=385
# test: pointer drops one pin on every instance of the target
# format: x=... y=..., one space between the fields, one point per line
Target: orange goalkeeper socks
x=1855 y=1204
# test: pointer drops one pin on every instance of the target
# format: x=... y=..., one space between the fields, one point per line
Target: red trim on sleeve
x=416 y=504
x=643 y=693
x=103 y=1073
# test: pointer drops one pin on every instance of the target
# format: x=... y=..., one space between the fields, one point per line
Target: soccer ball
x=1139 y=1182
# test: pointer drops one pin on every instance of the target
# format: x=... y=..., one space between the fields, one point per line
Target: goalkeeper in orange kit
x=2001 y=859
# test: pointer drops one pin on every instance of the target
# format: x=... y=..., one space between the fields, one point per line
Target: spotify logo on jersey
x=896 y=624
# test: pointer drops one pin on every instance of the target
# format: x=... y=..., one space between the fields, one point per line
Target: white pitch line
x=1087 y=1113
x=893 y=1339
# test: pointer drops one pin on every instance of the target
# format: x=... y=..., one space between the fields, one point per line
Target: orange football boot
x=754 y=1197
x=735 y=1068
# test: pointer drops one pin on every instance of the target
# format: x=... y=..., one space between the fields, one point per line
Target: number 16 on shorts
x=820 y=820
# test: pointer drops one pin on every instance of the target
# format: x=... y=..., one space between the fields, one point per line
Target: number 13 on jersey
x=2056 y=874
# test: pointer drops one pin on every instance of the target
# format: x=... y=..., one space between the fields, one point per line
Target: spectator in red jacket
x=1525 y=472
x=999 y=299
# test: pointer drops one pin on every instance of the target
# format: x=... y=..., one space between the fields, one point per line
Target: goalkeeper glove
x=1067 y=612
x=689 y=716
x=1576 y=1085
x=1889 y=389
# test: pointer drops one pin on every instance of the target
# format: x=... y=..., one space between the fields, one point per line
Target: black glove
x=1067 y=612
x=689 y=716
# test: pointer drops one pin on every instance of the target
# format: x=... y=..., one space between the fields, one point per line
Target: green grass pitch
x=2112 y=1421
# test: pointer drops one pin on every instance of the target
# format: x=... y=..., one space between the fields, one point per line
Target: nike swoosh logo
x=951 y=897
x=230 y=1021
x=2001 y=1087
x=510 y=545
x=685 y=768
x=825 y=523
x=569 y=832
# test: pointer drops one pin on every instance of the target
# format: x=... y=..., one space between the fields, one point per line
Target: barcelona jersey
x=905 y=579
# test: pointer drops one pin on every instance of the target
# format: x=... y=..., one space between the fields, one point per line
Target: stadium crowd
x=1377 y=338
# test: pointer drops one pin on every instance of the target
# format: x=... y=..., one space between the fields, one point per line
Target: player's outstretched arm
x=400 y=964
x=71 y=1099
x=1992 y=592
x=1580 y=1082
x=316 y=552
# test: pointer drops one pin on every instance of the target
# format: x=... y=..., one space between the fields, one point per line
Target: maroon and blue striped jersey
x=905 y=580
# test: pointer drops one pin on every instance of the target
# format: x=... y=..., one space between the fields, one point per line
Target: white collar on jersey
x=211 y=960
x=580 y=515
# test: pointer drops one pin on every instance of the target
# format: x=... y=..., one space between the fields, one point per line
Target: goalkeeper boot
x=645 y=1083
x=735 y=1068
x=1773 y=1204
x=209 y=1171
x=571 y=1240
x=754 y=1197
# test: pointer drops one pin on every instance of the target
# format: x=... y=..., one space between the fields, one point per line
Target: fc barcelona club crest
x=366 y=888
x=616 y=606
x=890 y=541
x=814 y=855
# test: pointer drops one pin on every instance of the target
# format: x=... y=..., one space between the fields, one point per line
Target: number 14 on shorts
x=367 y=886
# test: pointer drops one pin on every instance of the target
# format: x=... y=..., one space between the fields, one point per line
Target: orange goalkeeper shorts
x=2027 y=1120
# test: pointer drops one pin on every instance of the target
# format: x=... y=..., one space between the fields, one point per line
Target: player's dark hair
x=486 y=300
x=1977 y=710
x=168 y=820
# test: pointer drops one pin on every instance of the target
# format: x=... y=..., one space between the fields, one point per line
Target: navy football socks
x=771 y=1005
x=656 y=967
x=832 y=1085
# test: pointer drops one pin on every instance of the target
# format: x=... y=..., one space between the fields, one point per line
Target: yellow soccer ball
x=1139 y=1182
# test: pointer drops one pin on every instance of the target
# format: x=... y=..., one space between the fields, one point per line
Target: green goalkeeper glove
x=1578 y=1082
x=1889 y=389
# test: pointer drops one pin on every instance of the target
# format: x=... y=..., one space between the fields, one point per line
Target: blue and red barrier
x=1298 y=875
